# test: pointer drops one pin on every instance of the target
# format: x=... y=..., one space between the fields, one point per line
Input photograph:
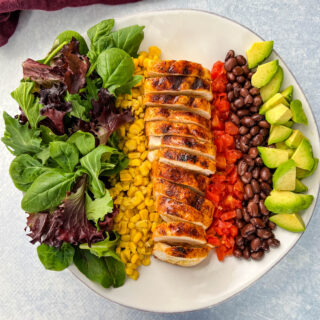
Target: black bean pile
x=255 y=230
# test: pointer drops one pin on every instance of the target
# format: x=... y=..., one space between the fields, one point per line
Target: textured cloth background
x=291 y=290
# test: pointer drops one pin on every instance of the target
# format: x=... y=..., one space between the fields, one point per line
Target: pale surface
x=292 y=287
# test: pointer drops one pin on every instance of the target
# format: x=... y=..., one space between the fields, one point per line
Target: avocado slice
x=273 y=86
x=298 y=114
x=283 y=146
x=289 y=221
x=295 y=139
x=264 y=73
x=258 y=52
x=303 y=156
x=301 y=173
x=289 y=124
x=279 y=114
x=287 y=201
x=278 y=133
x=272 y=157
x=288 y=93
x=284 y=178
x=272 y=102
x=300 y=187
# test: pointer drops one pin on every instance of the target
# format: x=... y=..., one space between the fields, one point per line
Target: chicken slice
x=186 y=144
x=189 y=86
x=194 y=181
x=164 y=114
x=197 y=105
x=166 y=128
x=177 y=68
x=172 y=210
x=178 y=193
x=184 y=256
x=184 y=160
x=180 y=233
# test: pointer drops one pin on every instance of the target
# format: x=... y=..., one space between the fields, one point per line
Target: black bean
x=246 y=177
x=237 y=253
x=246 y=216
x=236 y=92
x=271 y=225
x=257 y=101
x=232 y=107
x=231 y=77
x=243 y=112
x=239 y=214
x=235 y=119
x=239 y=103
x=244 y=139
x=247 y=121
x=247 y=84
x=242 y=167
x=239 y=240
x=250 y=74
x=230 y=96
x=240 y=224
x=255 y=186
x=248 y=160
x=229 y=87
x=241 y=60
x=256 y=199
x=246 y=70
x=263 y=195
x=273 y=242
x=263 y=208
x=265 y=173
x=237 y=71
x=248 y=135
x=230 y=64
x=257 y=117
x=254 y=130
x=253 y=152
x=243 y=130
x=254 y=91
x=254 y=109
x=264 y=124
x=246 y=253
x=255 y=172
x=265 y=219
x=244 y=92
x=248 y=190
x=264 y=132
x=230 y=54
x=243 y=147
x=247 y=230
x=255 y=244
x=236 y=85
x=258 y=161
x=250 y=238
x=264 y=233
x=248 y=100
x=253 y=209
x=265 y=187
x=257 y=140
x=257 y=255
x=241 y=79
x=258 y=223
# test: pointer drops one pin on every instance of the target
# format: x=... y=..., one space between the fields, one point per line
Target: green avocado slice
x=264 y=73
x=273 y=86
x=289 y=221
x=258 y=52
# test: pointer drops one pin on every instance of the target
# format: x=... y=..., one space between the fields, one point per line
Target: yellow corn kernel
x=134 y=129
x=141 y=252
x=144 y=214
x=133 y=247
x=125 y=185
x=144 y=155
x=149 y=243
x=153 y=227
x=123 y=244
x=129 y=271
x=134 y=155
x=122 y=131
x=137 y=237
x=131 y=145
x=132 y=191
x=118 y=200
x=125 y=237
x=131 y=225
x=141 y=206
x=148 y=202
x=127 y=254
x=146 y=261
x=141 y=147
x=138 y=180
x=135 y=218
x=142 y=224
x=134 y=258
x=135 y=162
x=123 y=257
x=125 y=175
x=132 y=265
x=134 y=275
x=135 y=105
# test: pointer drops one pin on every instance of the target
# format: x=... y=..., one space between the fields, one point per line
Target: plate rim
x=86 y=282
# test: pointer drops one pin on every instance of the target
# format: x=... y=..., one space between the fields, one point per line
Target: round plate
x=205 y=38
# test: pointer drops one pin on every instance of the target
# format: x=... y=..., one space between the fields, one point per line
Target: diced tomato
x=231 y=203
x=231 y=128
x=213 y=197
x=219 y=83
x=228 y=215
x=217 y=70
x=214 y=241
x=221 y=162
x=216 y=123
x=232 y=155
x=222 y=104
x=221 y=252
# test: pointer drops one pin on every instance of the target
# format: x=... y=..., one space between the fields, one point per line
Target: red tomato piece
x=231 y=128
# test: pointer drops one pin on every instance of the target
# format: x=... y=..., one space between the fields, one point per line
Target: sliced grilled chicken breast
x=194 y=181
x=184 y=160
x=172 y=210
x=180 y=233
x=166 y=128
x=197 y=105
x=184 y=256
x=189 y=86
x=178 y=193
x=186 y=144
x=177 y=68
x=164 y=114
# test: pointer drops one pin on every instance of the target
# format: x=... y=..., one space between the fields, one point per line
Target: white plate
x=205 y=38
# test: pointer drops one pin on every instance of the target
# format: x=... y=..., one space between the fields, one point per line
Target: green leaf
x=44 y=155
x=56 y=259
x=84 y=141
x=129 y=39
x=116 y=269
x=98 y=208
x=66 y=36
x=28 y=103
x=19 y=138
x=24 y=170
x=92 y=163
x=92 y=88
x=80 y=108
x=119 y=162
x=65 y=154
x=103 y=28
x=47 y=191
x=115 y=67
x=48 y=136
x=92 y=267
x=126 y=88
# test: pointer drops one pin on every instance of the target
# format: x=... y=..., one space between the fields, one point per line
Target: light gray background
x=291 y=290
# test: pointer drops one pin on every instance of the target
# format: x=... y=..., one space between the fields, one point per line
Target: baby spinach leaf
x=126 y=88
x=128 y=39
x=115 y=67
x=116 y=269
x=93 y=88
x=92 y=267
x=47 y=191
x=84 y=141
x=92 y=163
x=65 y=154
x=44 y=155
x=80 y=108
x=19 y=138
x=103 y=248
x=48 y=136
x=24 y=170
x=56 y=259
x=28 y=103
x=103 y=28
x=98 y=208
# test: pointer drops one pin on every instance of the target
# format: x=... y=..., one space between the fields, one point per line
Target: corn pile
x=132 y=189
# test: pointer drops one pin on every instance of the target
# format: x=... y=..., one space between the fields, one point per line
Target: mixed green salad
x=65 y=145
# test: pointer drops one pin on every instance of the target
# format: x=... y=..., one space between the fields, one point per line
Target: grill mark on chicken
x=178 y=83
